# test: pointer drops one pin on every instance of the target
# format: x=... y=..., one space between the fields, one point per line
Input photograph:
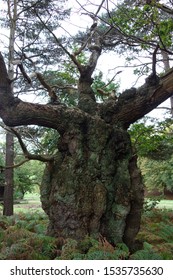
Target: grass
x=30 y=203
x=167 y=204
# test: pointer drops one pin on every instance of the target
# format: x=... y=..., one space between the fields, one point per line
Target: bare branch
x=15 y=165
x=99 y=8
x=83 y=46
x=9 y=11
x=164 y=108
x=111 y=80
x=50 y=90
x=73 y=58
x=26 y=153
x=25 y=75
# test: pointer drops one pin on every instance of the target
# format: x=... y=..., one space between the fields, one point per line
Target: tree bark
x=93 y=186
x=8 y=190
x=167 y=67
x=9 y=174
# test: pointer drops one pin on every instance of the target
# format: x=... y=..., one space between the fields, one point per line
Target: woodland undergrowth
x=23 y=237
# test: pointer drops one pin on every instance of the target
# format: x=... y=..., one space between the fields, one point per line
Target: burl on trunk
x=94 y=186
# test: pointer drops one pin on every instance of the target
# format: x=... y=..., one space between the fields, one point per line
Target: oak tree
x=92 y=184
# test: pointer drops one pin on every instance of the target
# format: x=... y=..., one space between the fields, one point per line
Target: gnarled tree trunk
x=93 y=185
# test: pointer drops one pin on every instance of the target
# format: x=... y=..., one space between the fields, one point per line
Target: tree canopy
x=111 y=33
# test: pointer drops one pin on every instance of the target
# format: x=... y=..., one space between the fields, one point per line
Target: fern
x=100 y=255
x=166 y=232
x=146 y=254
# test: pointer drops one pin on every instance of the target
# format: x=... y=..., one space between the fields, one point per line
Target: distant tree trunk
x=9 y=186
x=166 y=64
x=8 y=191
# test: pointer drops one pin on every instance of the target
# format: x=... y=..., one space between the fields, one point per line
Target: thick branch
x=5 y=88
x=53 y=116
x=15 y=112
x=133 y=104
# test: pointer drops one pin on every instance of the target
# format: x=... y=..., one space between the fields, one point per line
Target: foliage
x=33 y=39
x=157 y=174
x=151 y=202
x=27 y=177
x=23 y=237
x=64 y=81
x=156 y=230
x=152 y=138
x=154 y=145
x=144 y=26
x=146 y=254
x=91 y=249
x=47 y=142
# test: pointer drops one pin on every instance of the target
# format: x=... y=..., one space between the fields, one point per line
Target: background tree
x=27 y=179
x=9 y=183
x=21 y=37
x=91 y=185
x=153 y=144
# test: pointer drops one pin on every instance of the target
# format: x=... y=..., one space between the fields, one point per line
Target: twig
x=163 y=108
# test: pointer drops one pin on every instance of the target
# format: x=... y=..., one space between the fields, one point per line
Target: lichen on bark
x=88 y=189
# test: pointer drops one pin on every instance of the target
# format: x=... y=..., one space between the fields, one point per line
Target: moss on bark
x=90 y=189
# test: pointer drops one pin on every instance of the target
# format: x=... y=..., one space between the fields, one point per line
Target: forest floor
x=30 y=202
x=168 y=204
x=23 y=236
